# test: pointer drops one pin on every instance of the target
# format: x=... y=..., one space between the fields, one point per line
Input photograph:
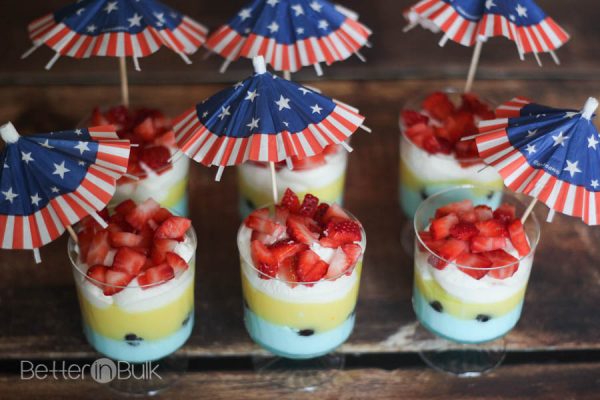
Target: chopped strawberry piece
x=467 y=150
x=479 y=264
x=176 y=262
x=309 y=206
x=335 y=212
x=264 y=238
x=459 y=125
x=480 y=244
x=353 y=251
x=173 y=228
x=448 y=252
x=287 y=270
x=268 y=271
x=166 y=139
x=454 y=208
x=146 y=130
x=97 y=275
x=338 y=265
x=129 y=260
x=116 y=281
x=506 y=213
x=315 y=161
x=472 y=104
x=504 y=264
x=156 y=157
x=483 y=213
x=147 y=234
x=344 y=231
x=411 y=117
x=125 y=239
x=139 y=216
x=320 y=213
x=299 y=231
x=464 y=231
x=161 y=216
x=261 y=213
x=290 y=201
x=310 y=267
x=98 y=119
x=428 y=240
x=263 y=225
x=281 y=214
x=261 y=254
x=519 y=238
x=418 y=132
x=440 y=227
x=125 y=207
x=468 y=216
x=155 y=276
x=284 y=249
x=84 y=241
x=438 y=105
x=491 y=228
x=160 y=248
x=433 y=145
x=98 y=248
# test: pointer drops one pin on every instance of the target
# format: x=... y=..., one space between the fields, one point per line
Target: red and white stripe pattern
x=543 y=37
x=93 y=194
x=209 y=149
x=496 y=150
x=186 y=39
x=337 y=46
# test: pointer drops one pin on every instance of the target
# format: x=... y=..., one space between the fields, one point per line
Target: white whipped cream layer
x=135 y=299
x=155 y=186
x=442 y=167
x=469 y=289
x=301 y=181
x=324 y=291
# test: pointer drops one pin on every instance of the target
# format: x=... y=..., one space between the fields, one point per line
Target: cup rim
x=447 y=90
x=532 y=217
x=74 y=257
x=250 y=262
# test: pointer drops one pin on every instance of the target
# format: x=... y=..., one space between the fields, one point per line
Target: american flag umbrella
x=550 y=154
x=291 y=34
x=264 y=119
x=51 y=181
x=472 y=22
x=116 y=28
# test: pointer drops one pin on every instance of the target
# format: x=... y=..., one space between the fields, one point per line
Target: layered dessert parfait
x=135 y=281
x=472 y=265
x=301 y=264
x=151 y=172
x=432 y=155
x=322 y=175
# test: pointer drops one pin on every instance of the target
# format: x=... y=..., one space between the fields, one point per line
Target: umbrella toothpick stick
x=287 y=75
x=529 y=210
x=274 y=182
x=473 y=66
x=72 y=233
x=124 y=81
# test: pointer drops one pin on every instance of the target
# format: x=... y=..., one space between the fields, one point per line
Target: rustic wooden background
x=554 y=351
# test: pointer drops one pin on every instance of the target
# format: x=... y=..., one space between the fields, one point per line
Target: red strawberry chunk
x=310 y=267
x=155 y=276
x=142 y=213
x=468 y=216
x=472 y=104
x=483 y=213
x=491 y=228
x=160 y=248
x=411 y=117
x=287 y=270
x=478 y=261
x=299 y=231
x=125 y=239
x=290 y=201
x=281 y=214
x=268 y=271
x=125 y=207
x=451 y=249
x=173 y=228
x=284 y=249
x=334 y=212
x=116 y=281
x=98 y=248
x=263 y=225
x=176 y=262
x=320 y=213
x=438 y=105
x=344 y=231
x=166 y=139
x=519 y=238
x=97 y=275
x=432 y=244
x=261 y=254
x=156 y=157
x=129 y=260
x=504 y=264
x=84 y=241
x=145 y=130
x=467 y=150
x=161 y=216
x=419 y=132
x=338 y=265
x=308 y=162
x=264 y=238
x=506 y=213
x=454 y=208
x=464 y=231
x=309 y=206
x=480 y=244
x=440 y=227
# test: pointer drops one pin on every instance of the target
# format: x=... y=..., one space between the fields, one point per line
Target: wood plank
x=548 y=382
x=394 y=54
x=39 y=310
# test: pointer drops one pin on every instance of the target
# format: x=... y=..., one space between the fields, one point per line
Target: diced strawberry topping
x=491 y=228
x=287 y=270
x=97 y=275
x=505 y=213
x=290 y=201
x=156 y=157
x=284 y=249
x=173 y=228
x=483 y=213
x=125 y=207
x=315 y=161
x=342 y=232
x=145 y=130
x=176 y=262
x=261 y=254
x=309 y=205
x=452 y=248
x=98 y=248
x=430 y=242
x=480 y=244
x=440 y=227
x=125 y=239
x=160 y=248
x=161 y=216
x=519 y=238
x=320 y=213
x=411 y=117
x=265 y=226
x=310 y=267
x=438 y=105
x=504 y=265
x=343 y=259
x=167 y=140
x=281 y=214
x=464 y=231
x=334 y=212
x=299 y=231
x=116 y=280
x=84 y=241
x=454 y=208
x=156 y=275
x=139 y=216
x=129 y=260
x=479 y=264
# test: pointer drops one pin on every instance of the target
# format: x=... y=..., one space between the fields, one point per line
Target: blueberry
x=306 y=332
x=423 y=194
x=483 y=318
x=132 y=339
x=250 y=204
x=437 y=306
x=491 y=195
x=246 y=305
x=186 y=320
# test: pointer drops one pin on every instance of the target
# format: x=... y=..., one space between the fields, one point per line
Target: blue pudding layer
x=411 y=199
x=138 y=350
x=291 y=343
x=181 y=208
x=246 y=206
x=462 y=330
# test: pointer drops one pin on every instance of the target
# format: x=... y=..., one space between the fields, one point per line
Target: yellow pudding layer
x=320 y=317
x=114 y=322
x=175 y=193
x=458 y=308
x=328 y=193
x=412 y=181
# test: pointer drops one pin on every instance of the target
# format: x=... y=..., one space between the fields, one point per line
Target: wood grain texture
x=39 y=314
x=394 y=55
x=525 y=382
